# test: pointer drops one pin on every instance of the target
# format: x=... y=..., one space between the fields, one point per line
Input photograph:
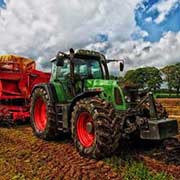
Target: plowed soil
x=23 y=156
x=162 y=157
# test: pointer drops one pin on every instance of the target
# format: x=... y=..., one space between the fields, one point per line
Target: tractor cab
x=75 y=70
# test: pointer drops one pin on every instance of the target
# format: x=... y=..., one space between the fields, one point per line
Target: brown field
x=172 y=106
x=25 y=157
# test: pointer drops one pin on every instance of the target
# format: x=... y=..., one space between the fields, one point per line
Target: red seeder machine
x=17 y=78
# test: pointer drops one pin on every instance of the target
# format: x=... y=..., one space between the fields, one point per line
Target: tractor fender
x=49 y=89
x=82 y=95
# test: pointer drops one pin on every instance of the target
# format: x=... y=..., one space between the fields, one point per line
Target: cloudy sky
x=144 y=32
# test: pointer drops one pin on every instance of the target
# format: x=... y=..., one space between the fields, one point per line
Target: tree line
x=153 y=78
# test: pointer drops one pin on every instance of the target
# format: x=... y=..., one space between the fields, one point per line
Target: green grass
x=133 y=170
x=18 y=177
x=138 y=171
x=166 y=95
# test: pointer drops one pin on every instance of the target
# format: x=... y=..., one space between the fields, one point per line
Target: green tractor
x=81 y=99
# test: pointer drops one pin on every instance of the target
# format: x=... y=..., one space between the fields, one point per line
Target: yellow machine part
x=16 y=63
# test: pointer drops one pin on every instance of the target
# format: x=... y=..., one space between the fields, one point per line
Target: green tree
x=113 y=77
x=153 y=78
x=145 y=77
x=172 y=73
x=135 y=77
x=168 y=71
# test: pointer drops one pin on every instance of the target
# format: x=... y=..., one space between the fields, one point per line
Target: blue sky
x=145 y=17
x=2 y=4
x=156 y=30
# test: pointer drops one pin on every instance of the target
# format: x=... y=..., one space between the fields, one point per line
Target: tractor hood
x=111 y=91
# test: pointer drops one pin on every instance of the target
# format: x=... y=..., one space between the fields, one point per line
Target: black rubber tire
x=50 y=131
x=106 y=127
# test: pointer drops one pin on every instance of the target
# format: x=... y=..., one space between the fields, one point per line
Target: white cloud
x=140 y=53
x=148 y=19
x=38 y=29
x=158 y=54
x=164 y=7
x=140 y=33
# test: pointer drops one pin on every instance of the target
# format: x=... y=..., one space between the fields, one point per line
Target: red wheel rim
x=40 y=116
x=86 y=138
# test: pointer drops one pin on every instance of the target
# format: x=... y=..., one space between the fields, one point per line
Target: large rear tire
x=95 y=128
x=43 y=117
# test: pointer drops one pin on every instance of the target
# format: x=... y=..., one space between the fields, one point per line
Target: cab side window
x=63 y=72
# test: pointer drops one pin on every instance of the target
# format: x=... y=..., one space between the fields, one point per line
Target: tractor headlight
x=118 y=97
x=128 y=99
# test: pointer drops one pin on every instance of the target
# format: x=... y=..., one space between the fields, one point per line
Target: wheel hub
x=89 y=127
x=85 y=129
x=40 y=116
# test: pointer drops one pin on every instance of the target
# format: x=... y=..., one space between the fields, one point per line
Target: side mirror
x=121 y=66
x=59 y=60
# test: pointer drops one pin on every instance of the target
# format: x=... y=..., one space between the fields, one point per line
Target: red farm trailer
x=17 y=78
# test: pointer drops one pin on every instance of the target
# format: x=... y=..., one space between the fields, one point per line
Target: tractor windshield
x=88 y=68
x=85 y=68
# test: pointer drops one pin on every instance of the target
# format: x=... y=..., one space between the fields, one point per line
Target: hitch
x=160 y=129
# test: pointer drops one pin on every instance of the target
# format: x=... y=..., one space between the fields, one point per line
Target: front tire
x=42 y=115
x=95 y=128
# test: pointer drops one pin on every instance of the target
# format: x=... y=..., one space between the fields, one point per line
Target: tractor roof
x=87 y=54
x=16 y=63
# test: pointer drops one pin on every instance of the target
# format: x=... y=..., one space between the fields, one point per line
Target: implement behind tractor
x=17 y=78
